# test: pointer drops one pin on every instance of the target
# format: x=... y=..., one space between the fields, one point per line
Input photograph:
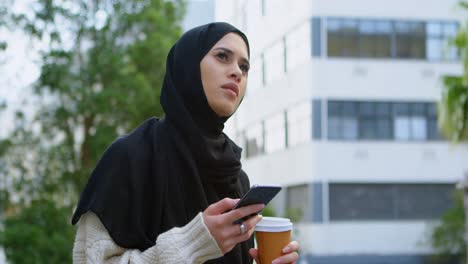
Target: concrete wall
x=361 y=162
x=367 y=237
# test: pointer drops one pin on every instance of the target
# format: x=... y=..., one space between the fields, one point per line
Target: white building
x=341 y=111
x=198 y=12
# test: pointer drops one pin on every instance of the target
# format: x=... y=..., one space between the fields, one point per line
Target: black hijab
x=166 y=171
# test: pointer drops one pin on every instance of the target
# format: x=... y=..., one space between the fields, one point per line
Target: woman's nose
x=236 y=73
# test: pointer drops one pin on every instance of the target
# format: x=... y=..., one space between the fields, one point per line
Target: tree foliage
x=100 y=76
x=448 y=236
x=39 y=234
x=453 y=107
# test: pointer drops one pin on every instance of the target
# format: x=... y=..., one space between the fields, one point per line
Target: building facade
x=341 y=110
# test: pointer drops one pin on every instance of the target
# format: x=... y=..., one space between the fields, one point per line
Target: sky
x=19 y=68
x=18 y=71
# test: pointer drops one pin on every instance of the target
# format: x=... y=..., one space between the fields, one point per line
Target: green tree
x=3 y=148
x=100 y=76
x=448 y=236
x=3 y=20
x=453 y=107
x=39 y=234
x=269 y=211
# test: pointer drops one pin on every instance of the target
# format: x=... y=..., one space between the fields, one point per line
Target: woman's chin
x=225 y=114
x=225 y=111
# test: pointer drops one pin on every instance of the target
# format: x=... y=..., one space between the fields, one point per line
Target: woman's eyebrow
x=244 y=60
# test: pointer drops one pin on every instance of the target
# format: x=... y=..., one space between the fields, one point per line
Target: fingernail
x=276 y=261
x=286 y=250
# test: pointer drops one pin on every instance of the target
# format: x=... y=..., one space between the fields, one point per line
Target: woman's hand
x=290 y=252
x=220 y=224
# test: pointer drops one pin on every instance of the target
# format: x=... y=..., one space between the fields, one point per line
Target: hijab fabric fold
x=166 y=171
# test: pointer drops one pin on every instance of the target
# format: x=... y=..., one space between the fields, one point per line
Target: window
x=402 y=121
x=275 y=134
x=254 y=140
x=432 y=126
x=359 y=38
x=411 y=121
x=360 y=201
x=317 y=119
x=244 y=17
x=299 y=123
x=367 y=42
x=298 y=43
x=255 y=81
x=418 y=121
x=285 y=55
x=434 y=41
x=415 y=201
x=389 y=201
x=437 y=42
x=366 y=38
x=263 y=7
x=316 y=39
x=383 y=39
x=334 y=37
x=274 y=59
x=367 y=121
x=450 y=31
x=349 y=38
x=349 y=120
x=297 y=202
x=241 y=139
x=342 y=120
x=374 y=39
x=410 y=40
x=383 y=112
x=264 y=69
x=343 y=37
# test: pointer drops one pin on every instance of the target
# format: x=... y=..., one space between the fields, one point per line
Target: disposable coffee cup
x=272 y=235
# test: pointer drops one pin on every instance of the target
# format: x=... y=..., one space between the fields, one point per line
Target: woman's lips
x=231 y=86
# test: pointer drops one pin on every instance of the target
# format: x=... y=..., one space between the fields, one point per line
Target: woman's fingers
x=292 y=246
x=221 y=206
x=286 y=259
x=243 y=211
x=291 y=255
x=232 y=235
x=254 y=254
x=250 y=228
x=249 y=225
x=221 y=226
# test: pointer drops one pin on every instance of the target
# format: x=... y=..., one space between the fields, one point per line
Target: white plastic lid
x=274 y=224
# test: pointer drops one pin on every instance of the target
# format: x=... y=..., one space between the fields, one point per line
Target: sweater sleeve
x=192 y=243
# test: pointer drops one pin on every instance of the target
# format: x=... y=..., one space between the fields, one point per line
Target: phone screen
x=258 y=194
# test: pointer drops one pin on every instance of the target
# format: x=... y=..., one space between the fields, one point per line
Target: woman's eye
x=222 y=56
x=244 y=67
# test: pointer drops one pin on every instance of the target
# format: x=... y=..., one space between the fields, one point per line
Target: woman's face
x=224 y=71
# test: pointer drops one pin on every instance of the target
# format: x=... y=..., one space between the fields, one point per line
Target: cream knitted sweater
x=192 y=243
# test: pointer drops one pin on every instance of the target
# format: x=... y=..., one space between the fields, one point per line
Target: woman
x=163 y=193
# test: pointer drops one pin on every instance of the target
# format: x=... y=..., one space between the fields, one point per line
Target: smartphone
x=258 y=194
